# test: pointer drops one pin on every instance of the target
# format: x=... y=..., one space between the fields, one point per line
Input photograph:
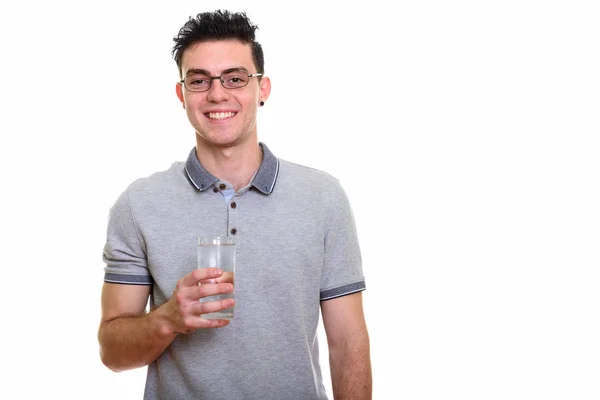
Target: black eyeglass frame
x=212 y=78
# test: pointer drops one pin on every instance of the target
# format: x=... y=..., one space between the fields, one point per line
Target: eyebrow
x=205 y=72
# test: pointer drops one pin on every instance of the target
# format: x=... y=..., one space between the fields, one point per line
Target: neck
x=235 y=164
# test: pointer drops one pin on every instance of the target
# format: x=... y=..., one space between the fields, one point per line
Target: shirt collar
x=264 y=180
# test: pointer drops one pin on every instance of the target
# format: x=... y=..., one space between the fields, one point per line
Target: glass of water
x=217 y=252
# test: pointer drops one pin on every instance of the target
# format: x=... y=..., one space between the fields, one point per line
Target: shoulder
x=157 y=187
x=160 y=181
x=310 y=185
x=302 y=175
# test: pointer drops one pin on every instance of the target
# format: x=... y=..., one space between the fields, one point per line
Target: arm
x=349 y=354
x=130 y=338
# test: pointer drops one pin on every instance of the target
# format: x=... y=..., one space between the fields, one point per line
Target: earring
x=262 y=103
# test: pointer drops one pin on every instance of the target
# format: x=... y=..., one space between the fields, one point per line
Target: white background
x=465 y=134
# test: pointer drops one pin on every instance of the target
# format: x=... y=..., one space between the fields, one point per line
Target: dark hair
x=218 y=25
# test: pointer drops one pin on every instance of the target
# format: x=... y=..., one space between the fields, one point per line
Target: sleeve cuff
x=343 y=290
x=128 y=279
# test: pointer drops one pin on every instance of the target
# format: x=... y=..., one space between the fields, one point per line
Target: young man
x=297 y=250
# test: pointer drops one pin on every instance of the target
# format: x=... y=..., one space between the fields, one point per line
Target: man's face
x=222 y=117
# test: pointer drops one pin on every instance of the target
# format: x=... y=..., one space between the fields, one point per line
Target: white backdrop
x=465 y=134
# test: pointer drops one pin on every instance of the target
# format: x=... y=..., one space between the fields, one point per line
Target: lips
x=220 y=115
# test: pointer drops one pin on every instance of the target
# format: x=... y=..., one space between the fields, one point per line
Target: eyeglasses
x=230 y=80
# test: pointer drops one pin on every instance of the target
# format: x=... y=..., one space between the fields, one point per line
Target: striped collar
x=264 y=180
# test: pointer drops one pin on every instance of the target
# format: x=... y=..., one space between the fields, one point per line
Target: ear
x=265 y=89
x=179 y=91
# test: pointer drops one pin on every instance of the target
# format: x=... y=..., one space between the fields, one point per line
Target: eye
x=235 y=79
x=197 y=80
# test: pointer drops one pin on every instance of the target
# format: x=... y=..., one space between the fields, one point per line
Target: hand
x=184 y=311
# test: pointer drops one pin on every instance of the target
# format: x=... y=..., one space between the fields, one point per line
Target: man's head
x=222 y=84
x=216 y=26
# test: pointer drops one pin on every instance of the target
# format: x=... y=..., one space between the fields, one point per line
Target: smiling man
x=296 y=248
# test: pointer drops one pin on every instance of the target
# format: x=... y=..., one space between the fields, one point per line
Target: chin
x=220 y=140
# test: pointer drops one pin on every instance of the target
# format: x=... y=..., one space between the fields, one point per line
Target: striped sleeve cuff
x=128 y=279
x=342 y=290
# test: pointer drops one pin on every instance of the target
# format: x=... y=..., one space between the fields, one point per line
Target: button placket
x=232 y=213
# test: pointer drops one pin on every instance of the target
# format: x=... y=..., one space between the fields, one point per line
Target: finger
x=196 y=292
x=215 y=323
x=213 y=289
x=227 y=277
x=199 y=274
x=201 y=323
x=211 y=306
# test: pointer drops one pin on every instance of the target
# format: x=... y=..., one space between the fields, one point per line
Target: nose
x=217 y=92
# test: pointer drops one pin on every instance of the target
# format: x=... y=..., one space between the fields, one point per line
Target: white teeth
x=221 y=115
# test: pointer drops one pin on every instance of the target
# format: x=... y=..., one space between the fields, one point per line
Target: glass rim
x=218 y=240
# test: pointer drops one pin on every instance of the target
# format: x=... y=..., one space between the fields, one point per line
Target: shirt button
x=233 y=205
x=215 y=190
x=233 y=231
x=222 y=186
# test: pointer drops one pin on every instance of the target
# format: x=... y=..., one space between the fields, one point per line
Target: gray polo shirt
x=296 y=246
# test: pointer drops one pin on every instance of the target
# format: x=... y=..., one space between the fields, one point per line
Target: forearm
x=129 y=342
x=350 y=364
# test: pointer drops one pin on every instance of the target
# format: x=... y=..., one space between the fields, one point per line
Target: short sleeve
x=342 y=266
x=124 y=252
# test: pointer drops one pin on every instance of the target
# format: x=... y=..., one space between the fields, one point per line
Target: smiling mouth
x=220 y=115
